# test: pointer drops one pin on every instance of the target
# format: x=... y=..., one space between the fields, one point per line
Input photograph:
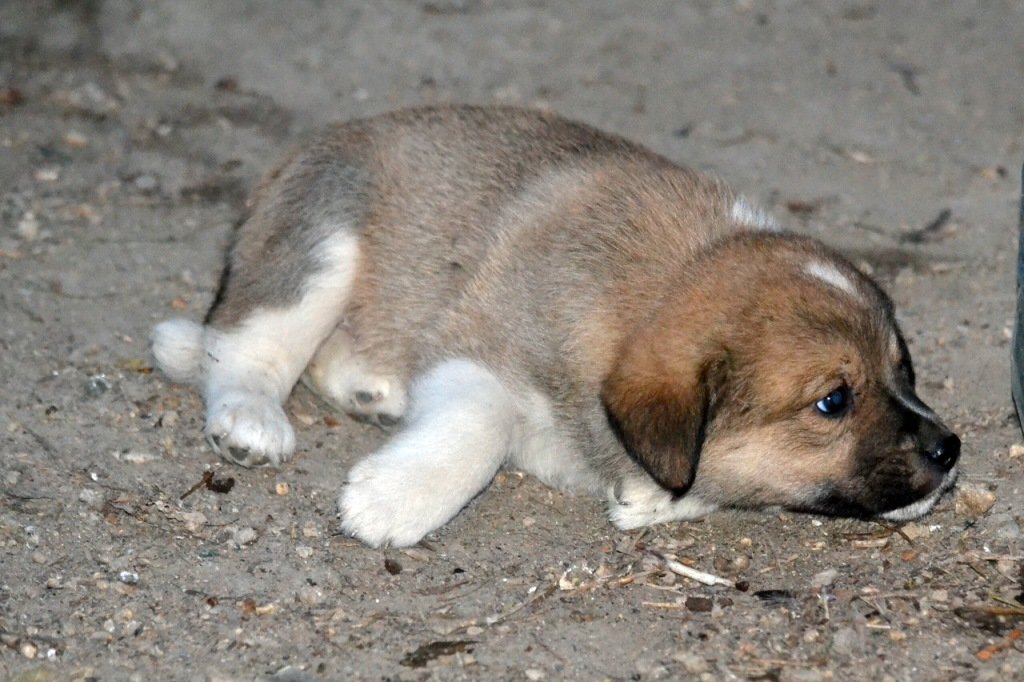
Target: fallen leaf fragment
x=428 y=652
x=992 y=649
x=135 y=365
x=11 y=97
x=76 y=140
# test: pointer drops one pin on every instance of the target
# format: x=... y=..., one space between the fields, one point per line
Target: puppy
x=507 y=288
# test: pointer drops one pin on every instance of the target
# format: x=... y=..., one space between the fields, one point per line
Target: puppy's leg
x=459 y=431
x=249 y=356
x=350 y=381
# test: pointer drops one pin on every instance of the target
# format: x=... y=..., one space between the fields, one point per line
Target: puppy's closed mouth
x=918 y=509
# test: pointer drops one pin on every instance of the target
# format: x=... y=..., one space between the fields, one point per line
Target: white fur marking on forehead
x=747 y=215
x=831 y=275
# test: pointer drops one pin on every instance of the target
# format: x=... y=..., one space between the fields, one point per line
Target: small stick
x=207 y=477
x=693 y=573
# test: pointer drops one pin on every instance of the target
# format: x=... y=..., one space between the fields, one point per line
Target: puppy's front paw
x=383 y=503
x=635 y=502
x=249 y=428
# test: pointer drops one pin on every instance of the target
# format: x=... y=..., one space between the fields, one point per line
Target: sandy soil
x=129 y=135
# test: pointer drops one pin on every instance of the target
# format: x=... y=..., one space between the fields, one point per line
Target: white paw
x=249 y=428
x=371 y=397
x=639 y=501
x=385 y=503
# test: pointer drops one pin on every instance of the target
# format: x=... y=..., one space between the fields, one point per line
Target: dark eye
x=835 y=403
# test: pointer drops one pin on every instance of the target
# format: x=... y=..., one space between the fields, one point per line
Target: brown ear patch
x=660 y=418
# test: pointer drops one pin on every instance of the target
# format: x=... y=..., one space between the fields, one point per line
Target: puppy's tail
x=178 y=346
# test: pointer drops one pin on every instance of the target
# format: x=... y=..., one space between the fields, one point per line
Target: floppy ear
x=659 y=411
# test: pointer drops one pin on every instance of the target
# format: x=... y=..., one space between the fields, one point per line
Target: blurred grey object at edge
x=1017 y=360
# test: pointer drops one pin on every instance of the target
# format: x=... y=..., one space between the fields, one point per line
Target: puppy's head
x=775 y=375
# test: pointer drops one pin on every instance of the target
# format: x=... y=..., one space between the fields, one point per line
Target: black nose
x=945 y=451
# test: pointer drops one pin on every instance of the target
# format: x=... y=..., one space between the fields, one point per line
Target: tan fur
x=667 y=345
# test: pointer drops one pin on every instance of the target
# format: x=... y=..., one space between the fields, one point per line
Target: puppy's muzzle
x=939 y=446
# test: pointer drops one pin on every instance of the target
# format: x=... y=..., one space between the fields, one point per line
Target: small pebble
x=304 y=551
x=76 y=140
x=194 y=520
x=281 y=489
x=1017 y=450
x=32 y=535
x=49 y=174
x=96 y=385
x=692 y=663
x=915 y=531
x=534 y=675
x=28 y=650
x=474 y=631
x=416 y=554
x=136 y=457
x=846 y=642
x=39 y=558
x=310 y=596
x=128 y=577
x=146 y=183
x=731 y=566
x=28 y=227
x=825 y=578
x=973 y=500
x=92 y=498
x=699 y=604
x=245 y=536
x=292 y=674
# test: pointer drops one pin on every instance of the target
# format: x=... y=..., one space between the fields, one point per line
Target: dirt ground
x=130 y=133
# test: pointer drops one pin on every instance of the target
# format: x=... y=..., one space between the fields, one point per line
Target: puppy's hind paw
x=249 y=429
x=366 y=397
